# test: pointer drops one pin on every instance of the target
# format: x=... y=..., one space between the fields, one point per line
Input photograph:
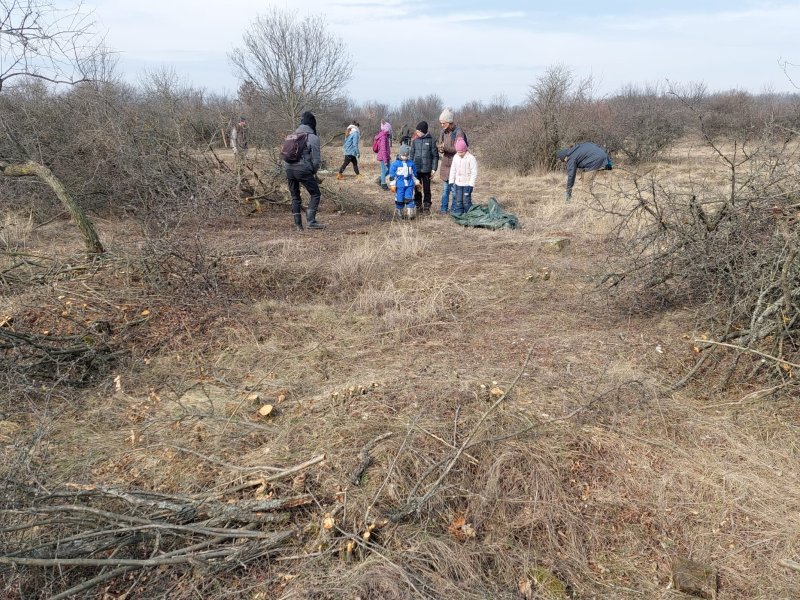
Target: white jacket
x=464 y=170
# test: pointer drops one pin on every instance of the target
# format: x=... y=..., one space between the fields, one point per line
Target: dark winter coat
x=586 y=156
x=425 y=154
x=311 y=155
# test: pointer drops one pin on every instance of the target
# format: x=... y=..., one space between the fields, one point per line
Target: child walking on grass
x=402 y=177
x=463 y=174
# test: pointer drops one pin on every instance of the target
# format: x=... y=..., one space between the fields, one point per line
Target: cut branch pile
x=125 y=530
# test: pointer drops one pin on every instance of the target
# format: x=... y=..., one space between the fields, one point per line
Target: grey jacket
x=586 y=156
x=425 y=154
x=311 y=155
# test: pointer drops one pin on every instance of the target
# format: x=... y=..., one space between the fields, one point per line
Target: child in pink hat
x=463 y=174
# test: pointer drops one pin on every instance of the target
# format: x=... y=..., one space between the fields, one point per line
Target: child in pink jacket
x=382 y=146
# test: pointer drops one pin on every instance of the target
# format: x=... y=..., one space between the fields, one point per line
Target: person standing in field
x=405 y=135
x=382 y=146
x=351 y=149
x=586 y=156
x=463 y=174
x=425 y=155
x=402 y=179
x=447 y=150
x=239 y=143
x=301 y=170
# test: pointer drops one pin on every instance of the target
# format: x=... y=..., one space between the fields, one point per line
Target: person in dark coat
x=425 y=155
x=303 y=173
x=586 y=156
x=405 y=135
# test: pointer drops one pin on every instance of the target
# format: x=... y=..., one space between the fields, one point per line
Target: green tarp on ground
x=490 y=216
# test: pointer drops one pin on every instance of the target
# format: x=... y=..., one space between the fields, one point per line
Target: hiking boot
x=339 y=176
x=384 y=187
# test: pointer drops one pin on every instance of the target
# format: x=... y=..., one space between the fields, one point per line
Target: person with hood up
x=586 y=156
x=303 y=171
x=447 y=150
x=402 y=177
x=382 y=146
x=351 y=149
x=425 y=155
x=463 y=174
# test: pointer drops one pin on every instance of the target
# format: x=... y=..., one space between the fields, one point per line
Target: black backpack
x=293 y=147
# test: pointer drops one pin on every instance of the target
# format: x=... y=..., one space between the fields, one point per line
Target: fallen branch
x=90 y=238
x=366 y=459
x=750 y=350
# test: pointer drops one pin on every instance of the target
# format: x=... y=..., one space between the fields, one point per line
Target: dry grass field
x=523 y=437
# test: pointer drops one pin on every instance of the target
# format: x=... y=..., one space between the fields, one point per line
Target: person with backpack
x=382 y=146
x=447 y=150
x=402 y=179
x=425 y=155
x=301 y=158
x=586 y=156
x=350 y=149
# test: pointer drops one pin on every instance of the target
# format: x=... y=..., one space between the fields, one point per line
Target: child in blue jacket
x=402 y=177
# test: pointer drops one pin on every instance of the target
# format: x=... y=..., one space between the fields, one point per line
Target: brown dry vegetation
x=589 y=472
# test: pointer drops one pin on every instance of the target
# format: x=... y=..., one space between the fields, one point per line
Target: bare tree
x=39 y=39
x=295 y=64
x=551 y=99
x=58 y=45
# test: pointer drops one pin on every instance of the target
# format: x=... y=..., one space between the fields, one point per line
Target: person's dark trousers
x=347 y=160
x=295 y=178
x=423 y=198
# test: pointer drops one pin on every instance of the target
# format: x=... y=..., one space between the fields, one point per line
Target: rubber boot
x=311 y=217
x=298 y=221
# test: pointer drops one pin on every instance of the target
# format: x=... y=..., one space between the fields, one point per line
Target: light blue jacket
x=351 y=143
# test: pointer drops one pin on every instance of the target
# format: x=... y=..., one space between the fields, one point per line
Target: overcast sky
x=466 y=50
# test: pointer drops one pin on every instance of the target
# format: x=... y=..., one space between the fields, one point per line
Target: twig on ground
x=366 y=459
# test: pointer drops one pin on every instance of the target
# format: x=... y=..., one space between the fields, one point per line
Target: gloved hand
x=568 y=195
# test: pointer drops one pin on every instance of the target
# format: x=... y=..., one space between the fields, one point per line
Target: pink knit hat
x=461 y=145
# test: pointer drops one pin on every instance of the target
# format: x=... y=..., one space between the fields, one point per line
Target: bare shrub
x=644 y=123
x=726 y=244
x=528 y=138
x=115 y=148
